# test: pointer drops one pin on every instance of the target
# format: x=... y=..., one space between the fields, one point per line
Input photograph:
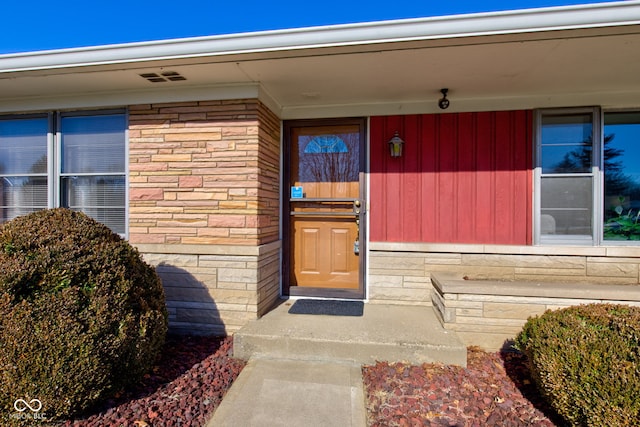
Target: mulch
x=495 y=389
x=193 y=374
x=184 y=388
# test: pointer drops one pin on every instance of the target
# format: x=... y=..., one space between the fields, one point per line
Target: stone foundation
x=216 y=289
x=490 y=313
x=402 y=273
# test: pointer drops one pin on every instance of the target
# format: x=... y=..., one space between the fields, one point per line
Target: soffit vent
x=165 y=76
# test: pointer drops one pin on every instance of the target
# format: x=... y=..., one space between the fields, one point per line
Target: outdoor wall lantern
x=443 y=103
x=395 y=145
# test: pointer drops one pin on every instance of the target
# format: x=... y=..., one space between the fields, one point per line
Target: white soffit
x=563 y=56
x=528 y=21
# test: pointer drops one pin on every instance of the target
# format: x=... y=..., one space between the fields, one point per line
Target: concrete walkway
x=298 y=393
x=306 y=370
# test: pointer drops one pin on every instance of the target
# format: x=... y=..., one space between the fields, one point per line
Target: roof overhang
x=575 y=55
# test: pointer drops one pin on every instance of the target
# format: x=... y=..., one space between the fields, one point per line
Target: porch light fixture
x=395 y=145
x=443 y=103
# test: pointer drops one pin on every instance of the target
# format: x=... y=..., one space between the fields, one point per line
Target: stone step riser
x=383 y=333
x=246 y=346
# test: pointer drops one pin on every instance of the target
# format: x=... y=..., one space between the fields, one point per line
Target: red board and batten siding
x=463 y=178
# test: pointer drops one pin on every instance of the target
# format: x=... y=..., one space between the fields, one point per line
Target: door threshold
x=284 y=298
x=326 y=293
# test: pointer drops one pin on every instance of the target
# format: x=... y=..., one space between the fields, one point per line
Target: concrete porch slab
x=384 y=333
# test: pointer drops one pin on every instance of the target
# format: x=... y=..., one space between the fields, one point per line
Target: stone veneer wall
x=204 y=208
x=490 y=313
x=401 y=274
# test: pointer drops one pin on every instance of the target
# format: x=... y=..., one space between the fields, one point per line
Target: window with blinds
x=23 y=166
x=72 y=160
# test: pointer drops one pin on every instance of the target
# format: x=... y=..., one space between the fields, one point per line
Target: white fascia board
x=599 y=15
x=147 y=96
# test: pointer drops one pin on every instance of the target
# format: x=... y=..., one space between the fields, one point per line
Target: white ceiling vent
x=165 y=76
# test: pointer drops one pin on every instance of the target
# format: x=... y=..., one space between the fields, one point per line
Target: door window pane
x=621 y=176
x=328 y=154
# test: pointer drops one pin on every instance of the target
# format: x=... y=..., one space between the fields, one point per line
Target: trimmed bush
x=81 y=314
x=585 y=360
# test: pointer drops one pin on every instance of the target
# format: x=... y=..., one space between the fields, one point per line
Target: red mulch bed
x=494 y=390
x=194 y=373
x=183 y=389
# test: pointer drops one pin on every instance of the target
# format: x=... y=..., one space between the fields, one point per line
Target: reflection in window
x=89 y=173
x=622 y=176
x=566 y=202
x=92 y=170
x=93 y=144
x=329 y=158
x=566 y=143
x=23 y=166
x=566 y=182
x=326 y=144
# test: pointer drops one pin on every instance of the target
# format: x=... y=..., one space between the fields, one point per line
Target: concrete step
x=383 y=333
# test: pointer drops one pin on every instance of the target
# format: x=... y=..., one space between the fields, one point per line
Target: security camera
x=443 y=103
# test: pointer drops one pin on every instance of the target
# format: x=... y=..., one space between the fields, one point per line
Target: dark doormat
x=327 y=307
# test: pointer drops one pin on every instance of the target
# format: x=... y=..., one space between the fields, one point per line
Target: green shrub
x=585 y=360
x=81 y=314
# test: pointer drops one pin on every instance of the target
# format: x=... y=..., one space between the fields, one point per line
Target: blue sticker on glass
x=297 y=193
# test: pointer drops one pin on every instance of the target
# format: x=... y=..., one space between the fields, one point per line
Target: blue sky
x=30 y=25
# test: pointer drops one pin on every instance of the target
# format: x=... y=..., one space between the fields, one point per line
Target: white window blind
x=23 y=166
x=77 y=161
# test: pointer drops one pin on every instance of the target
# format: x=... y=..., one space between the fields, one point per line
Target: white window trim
x=51 y=150
x=603 y=242
x=54 y=138
x=598 y=183
x=57 y=162
x=596 y=173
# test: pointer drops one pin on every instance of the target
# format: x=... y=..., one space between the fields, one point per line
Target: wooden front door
x=325 y=208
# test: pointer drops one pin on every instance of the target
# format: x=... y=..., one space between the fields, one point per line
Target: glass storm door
x=325 y=208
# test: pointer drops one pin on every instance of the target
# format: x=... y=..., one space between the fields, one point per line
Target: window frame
x=49 y=118
x=54 y=152
x=602 y=240
x=597 y=172
x=596 y=175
